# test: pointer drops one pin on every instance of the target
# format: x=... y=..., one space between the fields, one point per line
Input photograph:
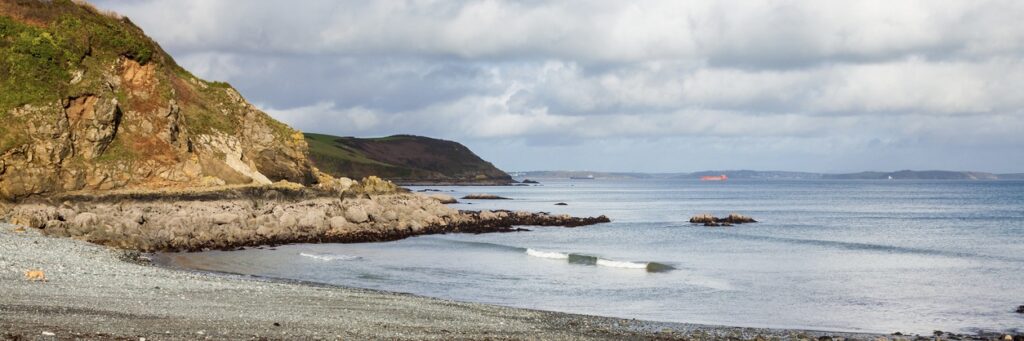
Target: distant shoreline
x=777 y=175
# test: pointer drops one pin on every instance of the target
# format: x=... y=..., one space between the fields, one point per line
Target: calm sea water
x=879 y=256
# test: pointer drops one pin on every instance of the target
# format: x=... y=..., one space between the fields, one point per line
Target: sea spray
x=544 y=254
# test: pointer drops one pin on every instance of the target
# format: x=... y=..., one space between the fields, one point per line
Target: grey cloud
x=773 y=84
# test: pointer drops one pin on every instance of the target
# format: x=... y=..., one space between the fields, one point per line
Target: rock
x=528 y=181
x=703 y=218
x=375 y=185
x=709 y=220
x=488 y=215
x=35 y=275
x=178 y=222
x=338 y=223
x=224 y=218
x=739 y=219
x=561 y=204
x=1020 y=309
x=443 y=198
x=356 y=215
x=85 y=220
x=484 y=197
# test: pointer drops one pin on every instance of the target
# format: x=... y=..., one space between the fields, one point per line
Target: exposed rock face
x=113 y=116
x=266 y=215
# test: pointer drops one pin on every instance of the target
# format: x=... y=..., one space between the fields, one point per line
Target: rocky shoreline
x=367 y=211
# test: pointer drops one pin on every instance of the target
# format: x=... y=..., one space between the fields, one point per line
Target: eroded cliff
x=88 y=102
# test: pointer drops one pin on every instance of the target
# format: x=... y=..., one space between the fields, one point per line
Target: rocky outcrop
x=709 y=220
x=483 y=196
x=443 y=198
x=264 y=215
x=117 y=112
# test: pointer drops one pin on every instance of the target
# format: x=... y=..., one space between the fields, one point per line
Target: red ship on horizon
x=714 y=178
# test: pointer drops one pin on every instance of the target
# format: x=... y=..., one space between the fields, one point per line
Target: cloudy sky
x=657 y=86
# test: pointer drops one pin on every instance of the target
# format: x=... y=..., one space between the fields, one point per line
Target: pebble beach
x=97 y=292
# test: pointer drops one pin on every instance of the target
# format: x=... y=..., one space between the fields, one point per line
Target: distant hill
x=751 y=174
x=404 y=159
x=780 y=175
x=597 y=175
x=916 y=175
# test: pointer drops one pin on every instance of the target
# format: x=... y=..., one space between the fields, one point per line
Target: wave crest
x=329 y=256
x=545 y=254
x=574 y=258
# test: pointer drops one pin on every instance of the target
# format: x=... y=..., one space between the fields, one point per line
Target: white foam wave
x=621 y=264
x=546 y=254
x=329 y=256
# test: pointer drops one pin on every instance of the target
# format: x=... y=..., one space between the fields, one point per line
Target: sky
x=610 y=85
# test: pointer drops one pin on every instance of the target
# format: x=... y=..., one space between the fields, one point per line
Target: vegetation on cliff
x=89 y=102
x=403 y=159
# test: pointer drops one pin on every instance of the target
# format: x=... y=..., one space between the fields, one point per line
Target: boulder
x=356 y=215
x=561 y=204
x=739 y=219
x=1020 y=309
x=376 y=185
x=710 y=220
x=338 y=223
x=703 y=218
x=443 y=198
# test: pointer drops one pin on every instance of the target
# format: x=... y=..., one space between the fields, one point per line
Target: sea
x=839 y=255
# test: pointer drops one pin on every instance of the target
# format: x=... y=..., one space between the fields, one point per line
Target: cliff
x=89 y=102
x=403 y=159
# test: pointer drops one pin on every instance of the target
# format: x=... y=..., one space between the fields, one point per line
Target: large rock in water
x=88 y=102
x=710 y=220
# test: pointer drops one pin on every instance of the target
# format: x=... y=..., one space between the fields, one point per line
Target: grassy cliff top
x=44 y=44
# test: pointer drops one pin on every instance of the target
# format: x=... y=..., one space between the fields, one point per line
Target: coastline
x=96 y=292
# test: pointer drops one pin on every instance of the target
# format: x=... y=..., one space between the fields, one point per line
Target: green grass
x=36 y=63
x=400 y=157
x=325 y=147
x=60 y=39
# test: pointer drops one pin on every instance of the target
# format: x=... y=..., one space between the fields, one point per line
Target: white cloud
x=784 y=78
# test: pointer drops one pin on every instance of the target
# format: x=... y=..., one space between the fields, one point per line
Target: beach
x=99 y=292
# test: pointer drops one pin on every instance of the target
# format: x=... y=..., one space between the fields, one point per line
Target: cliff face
x=88 y=102
x=403 y=159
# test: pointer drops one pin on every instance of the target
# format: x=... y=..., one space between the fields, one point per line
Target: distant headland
x=780 y=175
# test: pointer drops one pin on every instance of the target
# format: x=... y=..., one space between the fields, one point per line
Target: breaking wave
x=329 y=256
x=544 y=254
x=574 y=258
